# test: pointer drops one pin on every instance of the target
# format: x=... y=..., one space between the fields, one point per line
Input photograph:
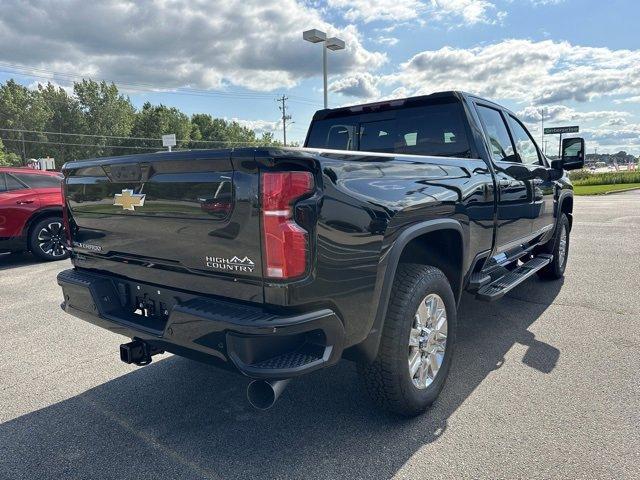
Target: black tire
x=556 y=268
x=47 y=239
x=388 y=380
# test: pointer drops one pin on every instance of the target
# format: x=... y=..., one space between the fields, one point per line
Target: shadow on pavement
x=180 y=419
x=13 y=260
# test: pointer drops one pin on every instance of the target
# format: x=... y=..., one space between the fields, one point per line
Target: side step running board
x=501 y=286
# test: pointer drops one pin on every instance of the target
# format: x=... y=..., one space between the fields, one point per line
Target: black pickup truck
x=275 y=262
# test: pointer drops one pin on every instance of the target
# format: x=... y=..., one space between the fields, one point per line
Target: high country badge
x=234 y=264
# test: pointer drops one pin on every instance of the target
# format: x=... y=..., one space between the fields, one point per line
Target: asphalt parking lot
x=544 y=385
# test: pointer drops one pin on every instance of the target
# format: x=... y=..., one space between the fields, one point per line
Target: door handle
x=24 y=202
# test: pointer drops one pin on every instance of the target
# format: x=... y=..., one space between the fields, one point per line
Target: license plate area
x=145 y=305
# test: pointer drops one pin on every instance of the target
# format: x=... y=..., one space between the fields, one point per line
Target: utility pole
x=542 y=126
x=285 y=117
x=24 y=151
x=560 y=148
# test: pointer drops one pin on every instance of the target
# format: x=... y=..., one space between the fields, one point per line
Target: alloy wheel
x=51 y=240
x=427 y=341
x=562 y=247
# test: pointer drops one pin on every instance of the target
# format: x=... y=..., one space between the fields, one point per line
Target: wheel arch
x=37 y=216
x=429 y=241
x=441 y=248
x=566 y=207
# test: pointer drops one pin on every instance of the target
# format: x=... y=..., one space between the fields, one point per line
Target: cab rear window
x=437 y=129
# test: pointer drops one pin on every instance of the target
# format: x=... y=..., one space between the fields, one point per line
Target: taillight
x=65 y=215
x=286 y=244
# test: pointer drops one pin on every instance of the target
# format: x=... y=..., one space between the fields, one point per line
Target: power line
x=91 y=145
x=108 y=146
x=43 y=132
x=47 y=74
x=76 y=134
x=77 y=144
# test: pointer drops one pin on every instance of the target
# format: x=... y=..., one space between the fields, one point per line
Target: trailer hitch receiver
x=138 y=352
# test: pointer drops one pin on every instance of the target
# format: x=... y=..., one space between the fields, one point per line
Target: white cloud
x=546 y=2
x=524 y=71
x=616 y=121
x=361 y=85
x=385 y=10
x=203 y=44
x=606 y=130
x=449 y=11
x=627 y=138
x=635 y=99
x=260 y=126
x=469 y=11
x=562 y=113
x=390 y=41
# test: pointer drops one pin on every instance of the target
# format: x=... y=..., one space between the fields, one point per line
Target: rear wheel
x=558 y=246
x=47 y=239
x=417 y=342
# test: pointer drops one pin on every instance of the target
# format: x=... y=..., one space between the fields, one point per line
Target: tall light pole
x=542 y=126
x=333 y=43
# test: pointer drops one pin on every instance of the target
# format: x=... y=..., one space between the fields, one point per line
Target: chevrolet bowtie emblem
x=128 y=200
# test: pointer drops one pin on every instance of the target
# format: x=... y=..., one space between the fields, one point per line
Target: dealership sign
x=555 y=130
x=169 y=140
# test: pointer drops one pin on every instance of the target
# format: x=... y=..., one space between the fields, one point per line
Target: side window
x=497 y=134
x=39 y=181
x=525 y=146
x=13 y=183
x=3 y=183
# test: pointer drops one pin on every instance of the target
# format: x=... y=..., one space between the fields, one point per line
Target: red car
x=31 y=213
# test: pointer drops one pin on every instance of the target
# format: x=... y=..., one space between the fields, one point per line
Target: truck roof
x=319 y=115
x=395 y=102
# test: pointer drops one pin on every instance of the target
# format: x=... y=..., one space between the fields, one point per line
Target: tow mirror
x=556 y=164
x=572 y=153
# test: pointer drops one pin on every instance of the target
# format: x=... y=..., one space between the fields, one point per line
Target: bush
x=607 y=178
x=579 y=175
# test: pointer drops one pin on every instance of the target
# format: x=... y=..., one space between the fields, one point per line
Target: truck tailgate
x=187 y=220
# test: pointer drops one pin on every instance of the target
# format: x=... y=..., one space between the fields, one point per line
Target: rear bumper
x=250 y=339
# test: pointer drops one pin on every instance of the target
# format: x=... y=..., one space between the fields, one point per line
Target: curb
x=613 y=192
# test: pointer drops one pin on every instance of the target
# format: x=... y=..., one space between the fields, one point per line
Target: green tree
x=153 y=121
x=105 y=112
x=267 y=138
x=221 y=133
x=9 y=159
x=65 y=116
x=21 y=109
x=97 y=112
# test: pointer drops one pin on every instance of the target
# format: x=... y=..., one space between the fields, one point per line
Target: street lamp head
x=314 y=36
x=335 y=43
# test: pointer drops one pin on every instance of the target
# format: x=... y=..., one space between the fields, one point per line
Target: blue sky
x=579 y=60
